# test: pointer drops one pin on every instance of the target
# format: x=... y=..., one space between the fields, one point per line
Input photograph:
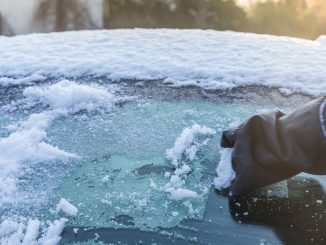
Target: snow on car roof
x=205 y=58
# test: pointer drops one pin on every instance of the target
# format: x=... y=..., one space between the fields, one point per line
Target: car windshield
x=111 y=162
x=113 y=137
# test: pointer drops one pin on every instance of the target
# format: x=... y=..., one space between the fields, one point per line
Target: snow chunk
x=152 y=184
x=181 y=193
x=8 y=226
x=185 y=148
x=188 y=204
x=70 y=96
x=52 y=236
x=66 y=207
x=224 y=170
x=105 y=179
x=21 y=233
x=32 y=231
x=183 y=143
x=185 y=169
x=167 y=174
x=28 y=146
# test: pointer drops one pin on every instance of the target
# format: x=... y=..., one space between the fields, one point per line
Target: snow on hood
x=209 y=59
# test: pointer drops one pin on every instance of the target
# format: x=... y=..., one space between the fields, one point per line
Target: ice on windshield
x=124 y=143
x=102 y=161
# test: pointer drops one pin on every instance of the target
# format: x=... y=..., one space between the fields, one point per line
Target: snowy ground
x=95 y=128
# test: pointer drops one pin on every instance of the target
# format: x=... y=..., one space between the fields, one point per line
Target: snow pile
x=52 y=236
x=31 y=231
x=67 y=95
x=68 y=208
x=24 y=146
x=224 y=170
x=205 y=58
x=184 y=150
x=27 y=142
x=26 y=232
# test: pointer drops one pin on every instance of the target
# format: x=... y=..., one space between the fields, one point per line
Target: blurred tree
x=135 y=13
x=319 y=7
x=284 y=17
x=4 y=27
x=215 y=14
x=61 y=15
x=301 y=18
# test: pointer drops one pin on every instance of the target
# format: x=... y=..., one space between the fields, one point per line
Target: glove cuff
x=322 y=117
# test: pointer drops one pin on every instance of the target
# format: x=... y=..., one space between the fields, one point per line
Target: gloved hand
x=273 y=146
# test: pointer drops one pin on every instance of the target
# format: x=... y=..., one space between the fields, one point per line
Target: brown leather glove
x=272 y=147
